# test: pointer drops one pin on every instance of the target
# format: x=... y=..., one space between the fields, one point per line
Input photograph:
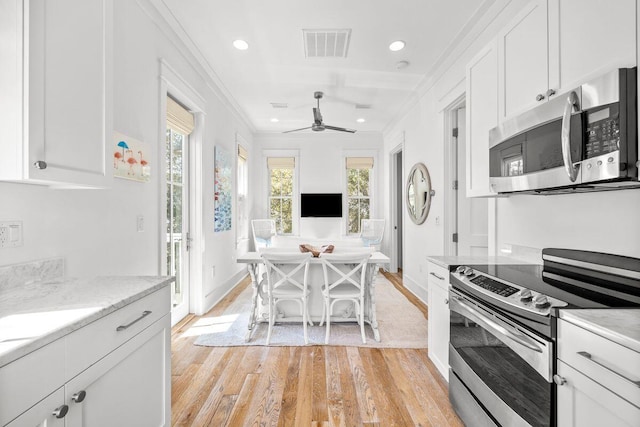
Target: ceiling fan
x=318 y=125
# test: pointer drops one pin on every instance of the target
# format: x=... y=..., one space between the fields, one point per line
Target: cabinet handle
x=539 y=97
x=40 y=164
x=436 y=276
x=551 y=92
x=559 y=380
x=123 y=327
x=446 y=301
x=79 y=396
x=588 y=356
x=61 y=411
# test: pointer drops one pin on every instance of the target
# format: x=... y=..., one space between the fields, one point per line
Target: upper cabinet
x=553 y=46
x=57 y=93
x=482 y=115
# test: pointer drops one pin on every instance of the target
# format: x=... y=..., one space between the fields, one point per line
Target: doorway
x=396 y=190
x=468 y=216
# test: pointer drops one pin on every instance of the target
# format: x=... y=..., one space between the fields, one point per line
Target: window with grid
x=359 y=179
x=281 y=191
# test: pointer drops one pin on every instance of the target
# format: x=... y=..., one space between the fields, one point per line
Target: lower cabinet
x=438 y=327
x=49 y=412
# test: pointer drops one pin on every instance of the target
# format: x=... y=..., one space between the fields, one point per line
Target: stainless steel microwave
x=583 y=140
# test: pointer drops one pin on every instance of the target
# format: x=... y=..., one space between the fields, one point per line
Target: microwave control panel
x=602 y=131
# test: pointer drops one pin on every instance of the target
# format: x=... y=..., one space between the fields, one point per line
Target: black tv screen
x=324 y=205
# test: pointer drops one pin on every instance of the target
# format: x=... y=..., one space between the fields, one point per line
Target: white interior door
x=178 y=240
x=472 y=212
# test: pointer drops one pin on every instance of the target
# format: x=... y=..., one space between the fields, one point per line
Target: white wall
x=95 y=230
x=321 y=170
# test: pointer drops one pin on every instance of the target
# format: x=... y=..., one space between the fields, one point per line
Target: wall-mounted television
x=321 y=205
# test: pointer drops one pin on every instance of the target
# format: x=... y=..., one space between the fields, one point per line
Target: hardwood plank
x=307 y=386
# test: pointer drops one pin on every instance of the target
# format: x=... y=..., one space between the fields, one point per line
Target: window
x=243 y=188
x=359 y=179
x=281 y=191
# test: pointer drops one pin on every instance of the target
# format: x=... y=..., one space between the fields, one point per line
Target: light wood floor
x=304 y=386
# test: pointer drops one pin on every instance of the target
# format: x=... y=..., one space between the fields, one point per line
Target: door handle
x=571 y=105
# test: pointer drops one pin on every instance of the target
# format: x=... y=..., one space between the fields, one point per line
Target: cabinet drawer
x=29 y=379
x=89 y=344
x=439 y=276
x=610 y=364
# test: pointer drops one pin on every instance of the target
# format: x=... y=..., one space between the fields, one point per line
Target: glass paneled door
x=178 y=240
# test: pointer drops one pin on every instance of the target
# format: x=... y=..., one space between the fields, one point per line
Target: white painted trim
x=414 y=287
x=391 y=247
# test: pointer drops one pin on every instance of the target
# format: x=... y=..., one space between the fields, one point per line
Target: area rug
x=401 y=325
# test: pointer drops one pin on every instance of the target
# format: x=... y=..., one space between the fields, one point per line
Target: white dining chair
x=287 y=280
x=371 y=232
x=263 y=232
x=345 y=279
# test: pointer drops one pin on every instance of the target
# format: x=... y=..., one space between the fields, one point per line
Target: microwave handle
x=571 y=105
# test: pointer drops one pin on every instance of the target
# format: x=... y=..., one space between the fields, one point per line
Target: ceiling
x=274 y=68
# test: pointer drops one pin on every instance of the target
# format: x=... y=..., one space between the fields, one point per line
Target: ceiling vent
x=326 y=43
x=363 y=106
x=279 y=105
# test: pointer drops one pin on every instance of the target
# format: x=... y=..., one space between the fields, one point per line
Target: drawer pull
x=436 y=276
x=79 y=396
x=588 y=356
x=61 y=411
x=123 y=327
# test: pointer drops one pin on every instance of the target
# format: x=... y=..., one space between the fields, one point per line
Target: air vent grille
x=363 y=106
x=326 y=43
x=279 y=105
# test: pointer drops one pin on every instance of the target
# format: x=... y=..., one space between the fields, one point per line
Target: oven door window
x=506 y=373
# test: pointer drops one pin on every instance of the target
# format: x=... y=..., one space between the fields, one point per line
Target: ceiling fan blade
x=296 y=130
x=317 y=117
x=340 y=129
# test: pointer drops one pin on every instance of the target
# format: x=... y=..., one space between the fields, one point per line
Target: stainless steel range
x=503 y=330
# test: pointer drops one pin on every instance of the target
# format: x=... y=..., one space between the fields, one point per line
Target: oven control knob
x=526 y=295
x=541 y=301
x=468 y=271
x=460 y=269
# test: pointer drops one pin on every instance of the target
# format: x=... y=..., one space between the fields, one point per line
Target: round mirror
x=419 y=193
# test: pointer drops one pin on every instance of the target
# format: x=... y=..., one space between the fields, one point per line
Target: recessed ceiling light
x=360 y=120
x=274 y=120
x=396 y=46
x=240 y=44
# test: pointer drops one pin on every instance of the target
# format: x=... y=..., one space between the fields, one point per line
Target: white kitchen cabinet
x=438 y=326
x=596 y=380
x=56 y=104
x=587 y=38
x=523 y=61
x=482 y=115
x=49 y=412
x=552 y=46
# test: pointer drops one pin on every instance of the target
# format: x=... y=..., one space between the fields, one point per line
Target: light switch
x=140 y=223
x=10 y=234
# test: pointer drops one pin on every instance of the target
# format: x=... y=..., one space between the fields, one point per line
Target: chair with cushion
x=287 y=280
x=263 y=232
x=345 y=279
x=371 y=232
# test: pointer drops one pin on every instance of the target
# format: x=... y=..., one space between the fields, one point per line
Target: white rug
x=400 y=323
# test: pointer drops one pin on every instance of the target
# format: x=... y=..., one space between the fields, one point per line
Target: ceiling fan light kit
x=318 y=124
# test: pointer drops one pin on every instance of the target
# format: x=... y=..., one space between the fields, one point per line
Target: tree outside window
x=281 y=175
x=359 y=171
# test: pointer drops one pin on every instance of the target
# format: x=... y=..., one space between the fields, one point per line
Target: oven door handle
x=490 y=323
x=565 y=135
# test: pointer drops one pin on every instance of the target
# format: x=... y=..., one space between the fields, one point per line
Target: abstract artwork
x=222 y=188
x=131 y=158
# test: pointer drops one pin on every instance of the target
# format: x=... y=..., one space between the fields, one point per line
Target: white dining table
x=316 y=301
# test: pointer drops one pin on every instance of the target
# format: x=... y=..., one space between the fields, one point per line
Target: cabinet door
x=439 y=328
x=583 y=402
x=43 y=413
x=69 y=87
x=522 y=52
x=128 y=387
x=588 y=38
x=482 y=115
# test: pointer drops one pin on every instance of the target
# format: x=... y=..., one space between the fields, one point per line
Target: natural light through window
x=281 y=191
x=359 y=177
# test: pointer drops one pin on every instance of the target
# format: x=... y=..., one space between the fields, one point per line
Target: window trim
x=373 y=178
x=295 y=202
x=242 y=233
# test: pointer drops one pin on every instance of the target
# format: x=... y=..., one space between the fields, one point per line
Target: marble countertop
x=620 y=325
x=446 y=261
x=37 y=313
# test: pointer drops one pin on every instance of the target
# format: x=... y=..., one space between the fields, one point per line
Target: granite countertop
x=620 y=325
x=446 y=261
x=37 y=313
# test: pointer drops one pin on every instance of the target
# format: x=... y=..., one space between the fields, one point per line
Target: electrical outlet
x=213 y=271
x=10 y=234
x=140 y=223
